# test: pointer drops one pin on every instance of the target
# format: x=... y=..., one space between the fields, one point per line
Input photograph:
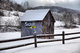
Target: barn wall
x=38 y=27
x=48 y=24
x=26 y=31
x=52 y=23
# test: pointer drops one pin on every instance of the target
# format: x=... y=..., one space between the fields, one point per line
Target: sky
x=72 y=4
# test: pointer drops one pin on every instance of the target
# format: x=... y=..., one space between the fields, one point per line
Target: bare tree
x=26 y=5
x=68 y=19
x=1 y=14
x=79 y=18
x=0 y=20
x=9 y=8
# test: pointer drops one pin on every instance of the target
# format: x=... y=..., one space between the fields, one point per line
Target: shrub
x=1 y=14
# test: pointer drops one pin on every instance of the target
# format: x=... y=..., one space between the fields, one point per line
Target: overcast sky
x=72 y=4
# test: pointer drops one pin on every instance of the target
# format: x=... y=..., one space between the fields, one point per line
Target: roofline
x=32 y=21
x=38 y=20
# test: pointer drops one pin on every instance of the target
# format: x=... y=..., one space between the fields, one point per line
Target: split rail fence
x=39 y=36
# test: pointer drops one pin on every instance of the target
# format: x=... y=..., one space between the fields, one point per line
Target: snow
x=58 y=23
x=10 y=35
x=12 y=20
x=11 y=13
x=9 y=17
x=53 y=48
x=34 y=15
x=71 y=46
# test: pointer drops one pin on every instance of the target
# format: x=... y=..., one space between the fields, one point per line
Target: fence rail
x=18 y=39
x=39 y=36
x=15 y=46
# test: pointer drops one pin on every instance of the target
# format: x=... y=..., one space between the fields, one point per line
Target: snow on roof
x=34 y=15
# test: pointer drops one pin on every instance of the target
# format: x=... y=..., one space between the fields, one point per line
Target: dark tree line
x=10 y=5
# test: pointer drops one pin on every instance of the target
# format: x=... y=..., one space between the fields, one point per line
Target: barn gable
x=50 y=16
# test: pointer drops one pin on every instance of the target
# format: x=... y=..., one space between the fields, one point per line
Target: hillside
x=10 y=21
x=59 y=11
x=10 y=5
x=10 y=16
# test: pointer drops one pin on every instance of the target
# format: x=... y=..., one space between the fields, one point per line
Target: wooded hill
x=10 y=5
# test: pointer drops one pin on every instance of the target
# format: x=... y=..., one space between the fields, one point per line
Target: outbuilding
x=40 y=21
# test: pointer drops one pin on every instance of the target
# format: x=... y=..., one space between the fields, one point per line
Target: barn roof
x=34 y=15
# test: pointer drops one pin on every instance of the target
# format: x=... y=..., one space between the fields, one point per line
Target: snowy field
x=71 y=46
x=10 y=35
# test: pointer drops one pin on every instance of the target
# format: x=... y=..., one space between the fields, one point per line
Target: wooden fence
x=39 y=36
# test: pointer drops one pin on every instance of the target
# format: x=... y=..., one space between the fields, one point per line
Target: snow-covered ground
x=71 y=46
x=10 y=17
x=10 y=35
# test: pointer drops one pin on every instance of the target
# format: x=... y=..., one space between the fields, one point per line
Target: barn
x=40 y=21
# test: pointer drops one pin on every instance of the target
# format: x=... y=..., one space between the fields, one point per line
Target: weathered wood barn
x=41 y=21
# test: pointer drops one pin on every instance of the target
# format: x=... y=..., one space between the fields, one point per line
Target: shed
x=41 y=21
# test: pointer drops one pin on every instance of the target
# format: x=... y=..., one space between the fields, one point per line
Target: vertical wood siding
x=48 y=24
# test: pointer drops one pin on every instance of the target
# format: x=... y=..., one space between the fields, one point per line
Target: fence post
x=63 y=37
x=35 y=40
